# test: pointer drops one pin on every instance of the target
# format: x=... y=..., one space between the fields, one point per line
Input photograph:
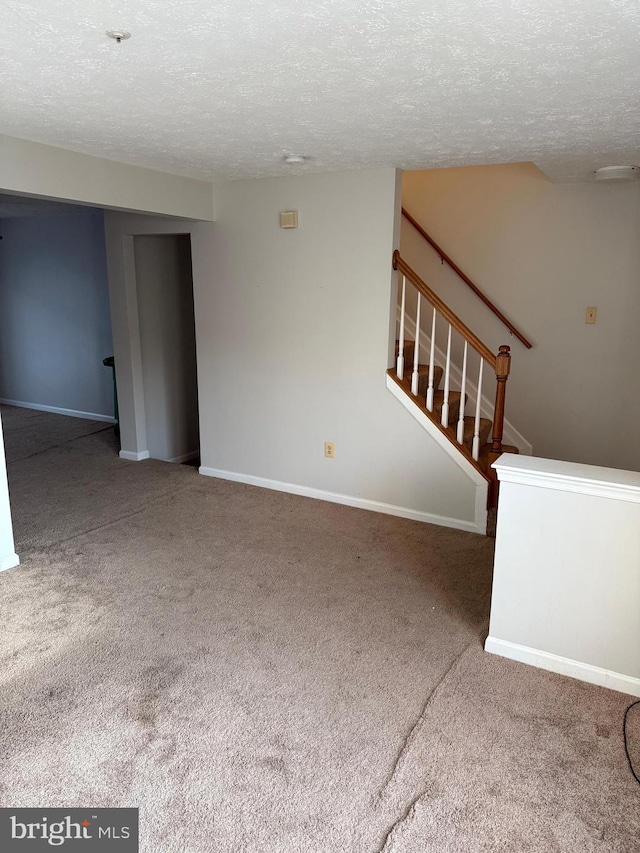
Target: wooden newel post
x=503 y=368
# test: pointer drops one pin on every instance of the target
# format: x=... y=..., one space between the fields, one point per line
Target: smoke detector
x=618 y=173
x=295 y=159
x=119 y=35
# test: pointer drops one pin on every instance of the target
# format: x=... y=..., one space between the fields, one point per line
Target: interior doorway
x=166 y=317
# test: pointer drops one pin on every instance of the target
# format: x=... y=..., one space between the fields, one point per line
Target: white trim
x=132 y=456
x=348 y=500
x=569 y=477
x=9 y=562
x=425 y=421
x=481 y=507
x=510 y=434
x=564 y=666
x=185 y=457
x=56 y=410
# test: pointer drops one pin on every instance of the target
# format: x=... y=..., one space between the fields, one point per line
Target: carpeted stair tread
x=423 y=377
x=486 y=424
x=454 y=405
x=469 y=426
x=438 y=400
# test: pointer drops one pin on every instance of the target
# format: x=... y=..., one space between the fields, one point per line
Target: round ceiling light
x=119 y=35
x=294 y=159
x=618 y=173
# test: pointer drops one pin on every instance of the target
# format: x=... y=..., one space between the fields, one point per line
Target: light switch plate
x=591 y=315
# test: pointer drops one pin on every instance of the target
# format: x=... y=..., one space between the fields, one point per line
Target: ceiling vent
x=618 y=173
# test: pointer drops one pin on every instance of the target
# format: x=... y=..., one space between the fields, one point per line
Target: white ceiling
x=224 y=89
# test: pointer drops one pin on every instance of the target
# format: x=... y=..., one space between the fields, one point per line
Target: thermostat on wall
x=289 y=219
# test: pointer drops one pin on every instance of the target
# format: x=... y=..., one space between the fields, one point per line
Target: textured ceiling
x=224 y=89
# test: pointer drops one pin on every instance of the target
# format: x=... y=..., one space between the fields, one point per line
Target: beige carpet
x=262 y=672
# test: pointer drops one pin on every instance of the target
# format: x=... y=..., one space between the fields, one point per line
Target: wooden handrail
x=466 y=279
x=447 y=313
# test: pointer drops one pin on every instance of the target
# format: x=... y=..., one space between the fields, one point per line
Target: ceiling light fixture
x=618 y=173
x=119 y=35
x=294 y=159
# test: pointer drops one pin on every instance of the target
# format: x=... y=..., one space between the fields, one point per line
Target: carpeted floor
x=263 y=672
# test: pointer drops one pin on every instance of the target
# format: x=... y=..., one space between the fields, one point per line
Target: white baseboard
x=346 y=500
x=186 y=457
x=132 y=456
x=72 y=413
x=564 y=666
x=9 y=562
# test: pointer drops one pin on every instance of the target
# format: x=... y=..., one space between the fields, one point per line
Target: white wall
x=31 y=168
x=168 y=345
x=293 y=341
x=55 y=327
x=8 y=557
x=566 y=581
x=543 y=252
x=293 y=331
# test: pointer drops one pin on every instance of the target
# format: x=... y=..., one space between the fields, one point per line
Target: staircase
x=426 y=376
x=451 y=432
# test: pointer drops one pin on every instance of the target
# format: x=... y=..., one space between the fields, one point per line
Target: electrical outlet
x=329 y=450
x=592 y=314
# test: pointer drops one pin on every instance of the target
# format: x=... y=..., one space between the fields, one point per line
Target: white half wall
x=55 y=327
x=30 y=168
x=566 y=583
x=293 y=339
x=8 y=556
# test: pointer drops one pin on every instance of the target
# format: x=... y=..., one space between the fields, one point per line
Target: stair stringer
x=479 y=481
x=510 y=435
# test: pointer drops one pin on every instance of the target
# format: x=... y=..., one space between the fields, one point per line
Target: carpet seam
x=59 y=444
x=412 y=734
x=143 y=508
x=404 y=749
x=406 y=815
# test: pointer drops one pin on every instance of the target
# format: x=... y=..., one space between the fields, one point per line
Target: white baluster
x=400 y=362
x=460 y=435
x=432 y=360
x=416 y=351
x=475 y=449
x=444 y=420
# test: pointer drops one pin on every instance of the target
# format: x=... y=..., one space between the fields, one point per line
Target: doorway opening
x=166 y=317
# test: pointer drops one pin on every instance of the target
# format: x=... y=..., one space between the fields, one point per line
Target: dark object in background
x=110 y=362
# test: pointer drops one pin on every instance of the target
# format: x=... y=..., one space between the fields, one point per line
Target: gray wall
x=55 y=326
x=168 y=344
